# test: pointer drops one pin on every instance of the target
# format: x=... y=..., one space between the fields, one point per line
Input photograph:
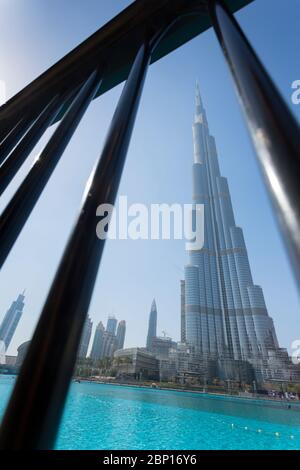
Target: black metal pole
x=22 y=203
x=55 y=342
x=274 y=131
x=14 y=161
x=4 y=133
x=11 y=140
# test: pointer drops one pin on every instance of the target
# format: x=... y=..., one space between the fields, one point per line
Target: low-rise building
x=277 y=366
x=161 y=345
x=22 y=349
x=137 y=363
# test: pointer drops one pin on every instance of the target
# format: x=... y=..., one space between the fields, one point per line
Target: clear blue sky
x=33 y=35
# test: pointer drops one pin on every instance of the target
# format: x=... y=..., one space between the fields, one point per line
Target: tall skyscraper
x=85 y=338
x=121 y=330
x=111 y=325
x=11 y=320
x=97 y=347
x=182 y=312
x=225 y=312
x=152 y=325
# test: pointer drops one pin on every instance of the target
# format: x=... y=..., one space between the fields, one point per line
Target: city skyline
x=150 y=265
x=107 y=340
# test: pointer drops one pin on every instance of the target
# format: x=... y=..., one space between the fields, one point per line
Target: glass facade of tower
x=225 y=313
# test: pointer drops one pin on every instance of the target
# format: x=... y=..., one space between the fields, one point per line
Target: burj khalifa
x=225 y=312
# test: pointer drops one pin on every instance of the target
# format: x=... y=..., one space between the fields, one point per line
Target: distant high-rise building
x=182 y=311
x=109 y=344
x=97 y=347
x=106 y=342
x=111 y=325
x=11 y=320
x=121 y=330
x=152 y=325
x=225 y=312
x=85 y=338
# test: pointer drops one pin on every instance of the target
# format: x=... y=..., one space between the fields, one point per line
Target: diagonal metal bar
x=59 y=329
x=13 y=137
x=119 y=40
x=5 y=133
x=22 y=203
x=12 y=164
x=274 y=131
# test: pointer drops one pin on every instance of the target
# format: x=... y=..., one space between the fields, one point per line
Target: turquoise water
x=112 y=417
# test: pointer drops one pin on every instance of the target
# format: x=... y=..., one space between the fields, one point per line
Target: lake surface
x=99 y=416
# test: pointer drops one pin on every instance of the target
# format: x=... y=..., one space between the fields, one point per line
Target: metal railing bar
x=123 y=33
x=5 y=133
x=22 y=203
x=57 y=335
x=274 y=130
x=17 y=157
x=12 y=139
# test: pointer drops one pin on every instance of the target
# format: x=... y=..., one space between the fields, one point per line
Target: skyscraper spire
x=198 y=101
x=198 y=128
x=152 y=325
x=200 y=114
